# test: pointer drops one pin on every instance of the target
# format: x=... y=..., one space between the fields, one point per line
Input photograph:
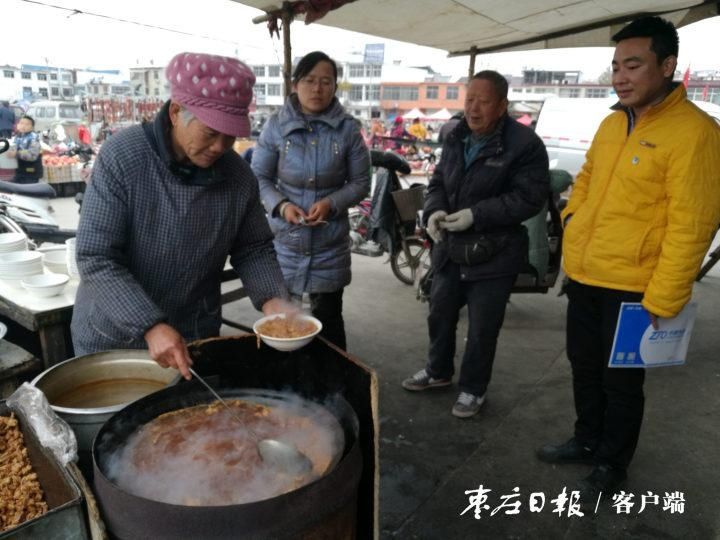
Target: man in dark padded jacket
x=493 y=175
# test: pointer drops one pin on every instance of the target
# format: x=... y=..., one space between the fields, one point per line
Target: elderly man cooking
x=168 y=202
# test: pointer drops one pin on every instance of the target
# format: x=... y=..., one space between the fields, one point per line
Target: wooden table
x=48 y=317
x=16 y=365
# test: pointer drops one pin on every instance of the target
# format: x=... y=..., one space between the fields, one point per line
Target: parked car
x=567 y=127
x=711 y=108
x=49 y=114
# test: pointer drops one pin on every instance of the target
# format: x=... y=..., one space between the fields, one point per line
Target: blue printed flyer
x=638 y=344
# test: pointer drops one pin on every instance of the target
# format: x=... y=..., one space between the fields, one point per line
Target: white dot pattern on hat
x=221 y=84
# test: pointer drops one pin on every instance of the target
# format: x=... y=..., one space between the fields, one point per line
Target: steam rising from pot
x=201 y=456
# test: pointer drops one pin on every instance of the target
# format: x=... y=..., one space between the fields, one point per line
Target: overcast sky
x=39 y=34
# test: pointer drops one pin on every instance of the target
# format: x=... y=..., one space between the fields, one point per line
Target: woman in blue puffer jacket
x=312 y=165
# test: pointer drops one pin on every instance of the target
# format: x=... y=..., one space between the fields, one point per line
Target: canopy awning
x=442 y=114
x=480 y=26
x=413 y=114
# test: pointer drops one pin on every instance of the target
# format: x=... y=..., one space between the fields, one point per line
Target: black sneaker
x=603 y=479
x=570 y=452
x=422 y=381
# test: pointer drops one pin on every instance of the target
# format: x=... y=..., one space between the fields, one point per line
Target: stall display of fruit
x=61 y=168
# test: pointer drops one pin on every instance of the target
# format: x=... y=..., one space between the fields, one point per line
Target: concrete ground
x=429 y=459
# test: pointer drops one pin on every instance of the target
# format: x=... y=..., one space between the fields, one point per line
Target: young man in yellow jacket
x=642 y=214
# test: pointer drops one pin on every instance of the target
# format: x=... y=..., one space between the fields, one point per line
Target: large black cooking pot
x=325 y=508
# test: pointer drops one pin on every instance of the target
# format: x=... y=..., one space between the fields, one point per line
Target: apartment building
x=150 y=82
x=101 y=83
x=31 y=82
x=358 y=88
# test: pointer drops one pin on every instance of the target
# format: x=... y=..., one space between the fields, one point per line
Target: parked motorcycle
x=386 y=224
x=26 y=208
x=544 y=260
x=86 y=155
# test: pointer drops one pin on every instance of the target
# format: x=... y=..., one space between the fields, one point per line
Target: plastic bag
x=51 y=430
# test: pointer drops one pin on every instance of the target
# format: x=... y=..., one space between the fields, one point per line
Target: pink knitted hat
x=216 y=89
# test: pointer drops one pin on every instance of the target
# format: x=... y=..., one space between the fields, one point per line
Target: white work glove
x=433 y=226
x=459 y=221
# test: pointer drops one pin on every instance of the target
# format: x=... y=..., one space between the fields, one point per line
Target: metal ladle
x=279 y=455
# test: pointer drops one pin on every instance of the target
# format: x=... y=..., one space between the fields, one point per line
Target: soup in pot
x=106 y=393
x=204 y=456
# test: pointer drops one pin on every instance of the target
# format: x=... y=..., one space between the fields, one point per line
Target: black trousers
x=486 y=300
x=609 y=402
x=327 y=307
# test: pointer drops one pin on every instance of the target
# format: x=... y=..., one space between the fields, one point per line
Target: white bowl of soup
x=285 y=333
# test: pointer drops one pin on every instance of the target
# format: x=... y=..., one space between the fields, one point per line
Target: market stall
x=318 y=380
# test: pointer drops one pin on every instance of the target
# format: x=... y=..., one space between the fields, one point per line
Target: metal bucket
x=87 y=390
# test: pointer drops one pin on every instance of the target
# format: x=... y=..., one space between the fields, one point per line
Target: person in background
x=377 y=132
x=448 y=126
x=84 y=135
x=417 y=130
x=7 y=119
x=312 y=165
x=493 y=175
x=169 y=202
x=26 y=149
x=641 y=216
x=431 y=135
x=398 y=131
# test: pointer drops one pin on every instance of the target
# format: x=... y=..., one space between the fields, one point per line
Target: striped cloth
x=151 y=247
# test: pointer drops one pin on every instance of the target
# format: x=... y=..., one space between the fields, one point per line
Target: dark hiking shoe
x=467 y=405
x=603 y=479
x=570 y=452
x=422 y=381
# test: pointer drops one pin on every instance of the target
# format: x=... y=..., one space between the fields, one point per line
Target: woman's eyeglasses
x=324 y=82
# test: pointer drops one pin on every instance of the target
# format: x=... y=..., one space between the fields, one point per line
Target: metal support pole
x=286 y=19
x=471 y=68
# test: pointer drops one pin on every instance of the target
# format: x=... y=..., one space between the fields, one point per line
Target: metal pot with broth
x=205 y=455
x=178 y=456
x=87 y=390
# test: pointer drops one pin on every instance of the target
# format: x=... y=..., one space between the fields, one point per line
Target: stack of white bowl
x=56 y=261
x=12 y=242
x=72 y=267
x=17 y=265
x=45 y=285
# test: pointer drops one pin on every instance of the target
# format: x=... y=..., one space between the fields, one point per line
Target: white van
x=567 y=127
x=710 y=108
x=48 y=114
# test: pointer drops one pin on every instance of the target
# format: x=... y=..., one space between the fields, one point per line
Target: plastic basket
x=408 y=202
